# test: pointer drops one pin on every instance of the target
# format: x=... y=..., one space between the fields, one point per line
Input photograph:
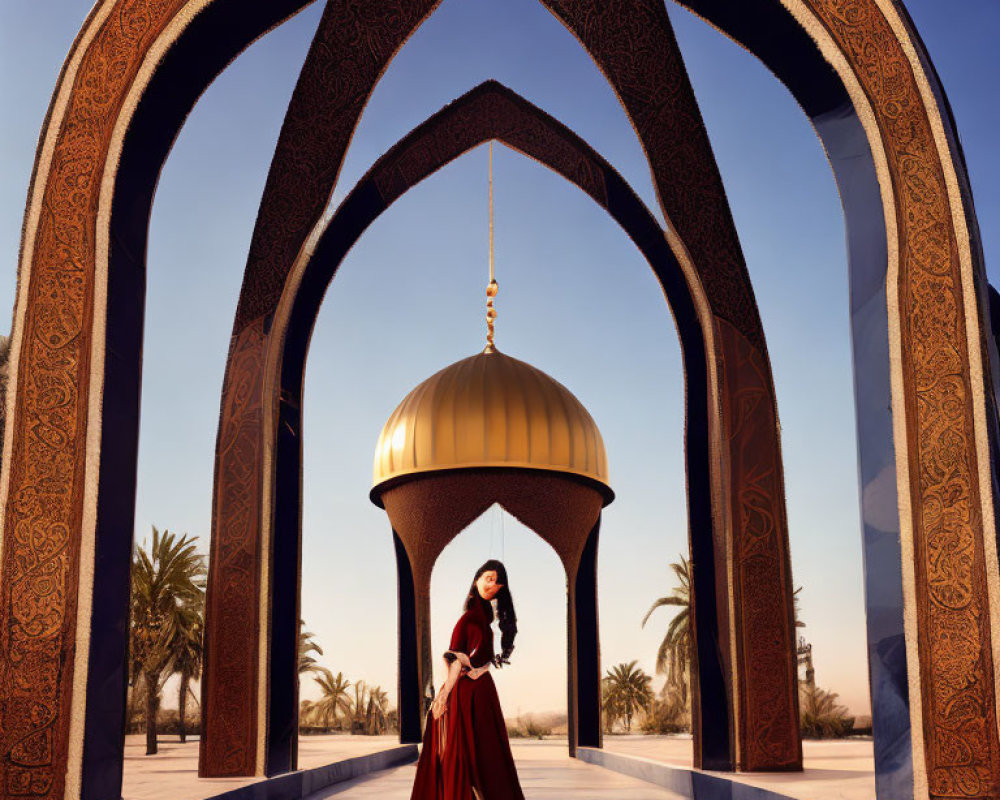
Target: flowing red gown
x=466 y=753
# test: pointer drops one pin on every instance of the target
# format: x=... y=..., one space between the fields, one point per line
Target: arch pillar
x=747 y=583
x=250 y=606
x=408 y=702
x=924 y=388
x=584 y=652
x=67 y=488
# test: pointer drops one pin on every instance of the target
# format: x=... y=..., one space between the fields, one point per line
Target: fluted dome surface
x=490 y=410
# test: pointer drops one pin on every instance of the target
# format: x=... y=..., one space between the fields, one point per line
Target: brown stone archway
x=924 y=407
x=888 y=115
x=745 y=580
x=68 y=480
x=492 y=111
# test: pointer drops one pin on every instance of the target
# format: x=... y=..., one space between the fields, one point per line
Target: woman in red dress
x=466 y=754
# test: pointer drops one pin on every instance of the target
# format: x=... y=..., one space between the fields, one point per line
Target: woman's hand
x=439 y=704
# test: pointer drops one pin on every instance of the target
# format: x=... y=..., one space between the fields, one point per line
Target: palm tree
x=360 y=700
x=376 y=720
x=306 y=646
x=168 y=583
x=334 y=701
x=628 y=690
x=611 y=706
x=188 y=657
x=674 y=655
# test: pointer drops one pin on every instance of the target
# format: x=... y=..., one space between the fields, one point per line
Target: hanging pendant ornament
x=492 y=287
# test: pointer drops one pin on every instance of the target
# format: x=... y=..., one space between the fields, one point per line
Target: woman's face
x=487 y=584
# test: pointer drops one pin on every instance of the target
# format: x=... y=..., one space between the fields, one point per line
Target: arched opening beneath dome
x=428 y=511
x=87 y=512
x=538 y=585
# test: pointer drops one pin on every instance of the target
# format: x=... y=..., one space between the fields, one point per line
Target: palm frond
x=663 y=601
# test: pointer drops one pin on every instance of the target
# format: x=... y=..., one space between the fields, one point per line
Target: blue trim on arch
x=767 y=30
x=212 y=40
x=360 y=209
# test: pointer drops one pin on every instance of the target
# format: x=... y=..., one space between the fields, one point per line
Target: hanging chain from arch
x=492 y=287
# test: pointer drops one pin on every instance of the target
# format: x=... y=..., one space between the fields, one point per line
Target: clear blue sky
x=576 y=300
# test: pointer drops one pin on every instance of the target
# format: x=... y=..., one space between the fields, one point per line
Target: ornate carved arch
x=241 y=737
x=917 y=315
x=923 y=387
x=68 y=482
x=491 y=111
x=751 y=723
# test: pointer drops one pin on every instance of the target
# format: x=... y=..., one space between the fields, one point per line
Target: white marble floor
x=837 y=770
x=546 y=773
x=173 y=772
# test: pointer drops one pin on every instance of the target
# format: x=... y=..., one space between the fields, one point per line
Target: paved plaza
x=842 y=769
x=173 y=771
x=835 y=770
x=545 y=771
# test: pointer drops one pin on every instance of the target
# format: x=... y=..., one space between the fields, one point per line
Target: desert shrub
x=168 y=723
x=527 y=727
x=669 y=713
x=821 y=717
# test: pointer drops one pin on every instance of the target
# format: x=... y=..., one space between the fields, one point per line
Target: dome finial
x=492 y=287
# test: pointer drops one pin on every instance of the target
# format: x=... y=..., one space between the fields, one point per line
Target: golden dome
x=490 y=410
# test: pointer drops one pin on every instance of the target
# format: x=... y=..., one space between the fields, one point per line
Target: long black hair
x=505 y=608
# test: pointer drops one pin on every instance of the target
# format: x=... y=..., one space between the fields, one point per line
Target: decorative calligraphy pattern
x=762 y=581
x=41 y=555
x=633 y=44
x=229 y=705
x=351 y=48
x=490 y=111
x=956 y=669
x=43 y=516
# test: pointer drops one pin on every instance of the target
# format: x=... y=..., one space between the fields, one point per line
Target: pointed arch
x=922 y=388
x=753 y=723
x=924 y=382
x=491 y=111
x=67 y=488
x=259 y=737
